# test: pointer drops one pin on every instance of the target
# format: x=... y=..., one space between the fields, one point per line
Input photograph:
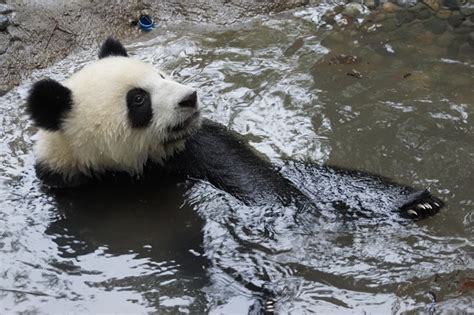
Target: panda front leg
x=359 y=194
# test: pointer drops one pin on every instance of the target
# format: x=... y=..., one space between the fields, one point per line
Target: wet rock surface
x=42 y=32
x=35 y=34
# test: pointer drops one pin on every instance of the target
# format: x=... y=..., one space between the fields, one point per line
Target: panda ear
x=48 y=102
x=112 y=47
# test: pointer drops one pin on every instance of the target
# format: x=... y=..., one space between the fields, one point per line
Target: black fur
x=112 y=47
x=48 y=103
x=140 y=112
x=223 y=158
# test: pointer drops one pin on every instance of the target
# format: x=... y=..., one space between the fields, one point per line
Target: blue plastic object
x=146 y=23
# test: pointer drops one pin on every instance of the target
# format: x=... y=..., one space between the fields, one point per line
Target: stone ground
x=34 y=34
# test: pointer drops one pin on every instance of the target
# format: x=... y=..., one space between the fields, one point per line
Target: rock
x=352 y=10
x=4 y=42
x=445 y=39
x=456 y=19
x=338 y=9
x=417 y=7
x=407 y=3
x=466 y=27
x=406 y=16
x=453 y=49
x=390 y=7
x=443 y=14
x=328 y=18
x=423 y=14
x=467 y=9
x=372 y=4
x=433 y=4
x=4 y=22
x=390 y=24
x=425 y=38
x=379 y=17
x=470 y=39
x=451 y=4
x=436 y=26
x=4 y=9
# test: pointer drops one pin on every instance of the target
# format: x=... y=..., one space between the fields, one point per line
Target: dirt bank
x=34 y=34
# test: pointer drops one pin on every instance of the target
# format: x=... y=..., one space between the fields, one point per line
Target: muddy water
x=402 y=107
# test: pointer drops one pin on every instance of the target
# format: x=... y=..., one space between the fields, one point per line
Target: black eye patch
x=139 y=108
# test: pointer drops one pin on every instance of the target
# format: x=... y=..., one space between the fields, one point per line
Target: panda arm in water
x=223 y=158
x=220 y=156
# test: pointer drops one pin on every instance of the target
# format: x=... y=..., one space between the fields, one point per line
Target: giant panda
x=119 y=119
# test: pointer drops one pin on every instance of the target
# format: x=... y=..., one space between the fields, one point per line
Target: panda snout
x=189 y=100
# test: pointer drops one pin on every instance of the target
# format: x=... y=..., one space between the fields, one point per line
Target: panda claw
x=427 y=205
x=412 y=212
x=420 y=207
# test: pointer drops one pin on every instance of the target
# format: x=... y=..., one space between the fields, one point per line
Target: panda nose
x=189 y=100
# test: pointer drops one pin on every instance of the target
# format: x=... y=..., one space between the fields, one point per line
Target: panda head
x=113 y=115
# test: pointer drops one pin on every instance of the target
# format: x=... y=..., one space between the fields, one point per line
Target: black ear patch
x=112 y=47
x=48 y=102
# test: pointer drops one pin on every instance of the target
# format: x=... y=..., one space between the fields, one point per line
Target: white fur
x=96 y=133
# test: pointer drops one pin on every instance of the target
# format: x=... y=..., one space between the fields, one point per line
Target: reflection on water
x=404 y=111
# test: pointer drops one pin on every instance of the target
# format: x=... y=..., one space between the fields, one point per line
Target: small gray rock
x=467 y=9
x=352 y=10
x=4 y=42
x=407 y=3
x=4 y=22
x=406 y=16
x=390 y=24
x=456 y=19
x=4 y=9
x=436 y=26
x=418 y=7
x=423 y=14
x=470 y=39
x=451 y=4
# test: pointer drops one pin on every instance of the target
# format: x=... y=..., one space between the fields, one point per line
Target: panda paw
x=269 y=307
x=421 y=205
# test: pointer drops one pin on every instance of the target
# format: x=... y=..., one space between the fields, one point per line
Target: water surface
x=400 y=109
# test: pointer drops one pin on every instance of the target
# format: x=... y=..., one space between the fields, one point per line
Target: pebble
x=338 y=9
x=379 y=17
x=456 y=19
x=467 y=9
x=407 y=3
x=451 y=4
x=423 y=14
x=433 y=4
x=328 y=18
x=352 y=10
x=425 y=38
x=4 y=9
x=4 y=22
x=470 y=39
x=4 y=42
x=390 y=24
x=436 y=26
x=445 y=39
x=390 y=7
x=444 y=14
x=418 y=7
x=406 y=16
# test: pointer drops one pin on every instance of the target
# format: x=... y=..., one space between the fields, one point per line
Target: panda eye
x=138 y=99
